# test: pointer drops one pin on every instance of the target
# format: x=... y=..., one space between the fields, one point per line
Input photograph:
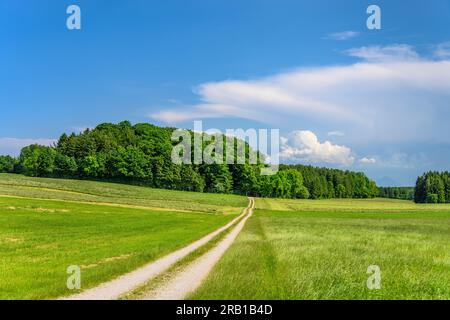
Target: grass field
x=107 y=229
x=300 y=249
x=289 y=249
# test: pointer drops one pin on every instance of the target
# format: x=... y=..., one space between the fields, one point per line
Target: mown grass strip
x=107 y=204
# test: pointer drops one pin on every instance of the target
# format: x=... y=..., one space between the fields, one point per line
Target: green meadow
x=288 y=249
x=300 y=249
x=47 y=225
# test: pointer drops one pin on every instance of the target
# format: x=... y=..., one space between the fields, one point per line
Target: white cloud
x=198 y=111
x=442 y=50
x=385 y=98
x=397 y=52
x=12 y=146
x=304 y=146
x=345 y=35
x=367 y=160
x=336 y=134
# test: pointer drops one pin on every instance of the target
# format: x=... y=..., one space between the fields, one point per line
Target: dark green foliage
x=218 y=178
x=433 y=187
x=298 y=190
x=190 y=179
x=245 y=179
x=402 y=193
x=7 y=164
x=36 y=160
x=65 y=166
x=93 y=166
x=131 y=162
x=323 y=183
x=141 y=154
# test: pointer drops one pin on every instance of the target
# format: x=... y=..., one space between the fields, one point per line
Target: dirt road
x=190 y=278
x=113 y=289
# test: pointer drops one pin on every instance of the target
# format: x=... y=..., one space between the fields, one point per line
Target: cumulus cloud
x=392 y=95
x=367 y=160
x=344 y=35
x=304 y=146
x=12 y=146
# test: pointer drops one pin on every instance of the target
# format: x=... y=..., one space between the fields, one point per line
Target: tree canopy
x=7 y=164
x=433 y=187
x=141 y=154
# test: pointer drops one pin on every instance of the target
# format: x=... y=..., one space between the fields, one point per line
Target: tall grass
x=325 y=254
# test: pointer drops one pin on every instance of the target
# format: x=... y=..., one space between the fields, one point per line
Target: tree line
x=402 y=193
x=433 y=187
x=141 y=154
x=323 y=183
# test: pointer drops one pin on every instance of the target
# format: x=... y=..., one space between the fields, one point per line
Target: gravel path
x=192 y=276
x=115 y=288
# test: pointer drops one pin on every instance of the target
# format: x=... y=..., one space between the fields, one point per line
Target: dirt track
x=114 y=289
x=192 y=276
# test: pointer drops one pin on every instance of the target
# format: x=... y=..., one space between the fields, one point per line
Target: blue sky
x=342 y=95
